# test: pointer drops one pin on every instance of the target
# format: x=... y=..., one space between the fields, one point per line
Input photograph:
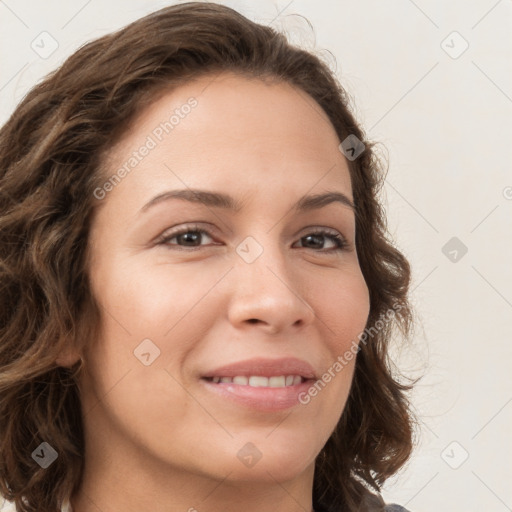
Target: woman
x=198 y=291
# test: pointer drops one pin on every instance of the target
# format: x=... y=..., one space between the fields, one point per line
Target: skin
x=156 y=439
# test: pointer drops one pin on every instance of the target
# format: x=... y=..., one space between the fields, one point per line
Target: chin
x=275 y=463
x=268 y=472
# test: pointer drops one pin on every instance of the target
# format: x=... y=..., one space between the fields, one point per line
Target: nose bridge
x=262 y=257
x=265 y=289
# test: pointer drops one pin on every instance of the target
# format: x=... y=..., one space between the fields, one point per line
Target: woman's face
x=190 y=284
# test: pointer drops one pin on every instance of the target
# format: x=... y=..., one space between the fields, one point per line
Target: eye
x=190 y=237
x=317 y=238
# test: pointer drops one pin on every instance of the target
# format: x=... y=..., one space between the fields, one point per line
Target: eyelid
x=182 y=228
x=345 y=245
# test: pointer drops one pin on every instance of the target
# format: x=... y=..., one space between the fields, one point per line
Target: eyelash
x=342 y=244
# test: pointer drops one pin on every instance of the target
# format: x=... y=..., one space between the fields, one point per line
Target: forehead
x=228 y=131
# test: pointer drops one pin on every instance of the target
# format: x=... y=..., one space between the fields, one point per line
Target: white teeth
x=259 y=381
x=277 y=382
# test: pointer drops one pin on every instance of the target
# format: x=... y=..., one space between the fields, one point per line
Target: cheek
x=155 y=312
x=169 y=306
x=343 y=306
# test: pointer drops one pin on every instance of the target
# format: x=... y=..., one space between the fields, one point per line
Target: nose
x=267 y=293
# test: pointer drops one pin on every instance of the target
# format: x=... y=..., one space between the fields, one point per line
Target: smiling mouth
x=257 y=392
x=257 y=381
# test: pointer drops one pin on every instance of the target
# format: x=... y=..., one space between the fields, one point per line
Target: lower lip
x=260 y=398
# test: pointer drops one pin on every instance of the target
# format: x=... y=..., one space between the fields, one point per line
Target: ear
x=68 y=356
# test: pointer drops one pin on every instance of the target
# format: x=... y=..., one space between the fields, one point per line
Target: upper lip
x=265 y=368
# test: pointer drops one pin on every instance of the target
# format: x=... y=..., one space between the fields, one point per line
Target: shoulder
x=375 y=503
x=367 y=507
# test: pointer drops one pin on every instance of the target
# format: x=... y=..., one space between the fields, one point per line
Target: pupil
x=187 y=237
x=316 y=238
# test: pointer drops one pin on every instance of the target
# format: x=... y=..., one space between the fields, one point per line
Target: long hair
x=51 y=152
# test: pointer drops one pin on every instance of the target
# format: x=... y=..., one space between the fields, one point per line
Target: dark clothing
x=371 y=503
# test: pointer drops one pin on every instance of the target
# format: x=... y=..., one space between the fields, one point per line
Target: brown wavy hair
x=51 y=151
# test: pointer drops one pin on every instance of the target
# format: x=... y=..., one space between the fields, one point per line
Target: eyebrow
x=221 y=200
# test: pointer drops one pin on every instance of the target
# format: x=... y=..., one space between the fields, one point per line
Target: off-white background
x=446 y=123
